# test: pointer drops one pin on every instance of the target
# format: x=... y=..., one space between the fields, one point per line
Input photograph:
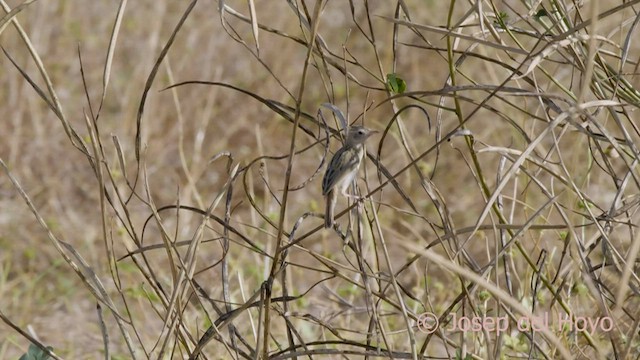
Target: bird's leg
x=349 y=196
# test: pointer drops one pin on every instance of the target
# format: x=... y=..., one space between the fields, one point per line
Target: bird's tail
x=330 y=204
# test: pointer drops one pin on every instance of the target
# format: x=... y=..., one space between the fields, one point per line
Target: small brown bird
x=343 y=168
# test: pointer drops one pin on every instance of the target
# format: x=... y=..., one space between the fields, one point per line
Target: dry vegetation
x=160 y=192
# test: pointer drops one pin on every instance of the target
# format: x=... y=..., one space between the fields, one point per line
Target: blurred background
x=517 y=65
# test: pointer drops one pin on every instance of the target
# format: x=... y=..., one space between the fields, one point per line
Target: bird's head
x=359 y=134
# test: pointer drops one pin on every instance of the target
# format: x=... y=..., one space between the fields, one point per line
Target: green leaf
x=396 y=84
x=541 y=13
x=501 y=19
x=484 y=295
x=35 y=353
x=580 y=289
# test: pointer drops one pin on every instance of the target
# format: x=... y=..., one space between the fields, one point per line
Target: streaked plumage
x=343 y=168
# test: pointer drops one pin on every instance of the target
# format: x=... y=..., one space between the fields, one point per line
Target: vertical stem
x=275 y=266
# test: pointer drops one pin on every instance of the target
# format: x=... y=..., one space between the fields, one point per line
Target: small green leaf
x=541 y=13
x=580 y=289
x=501 y=19
x=35 y=353
x=396 y=84
x=584 y=204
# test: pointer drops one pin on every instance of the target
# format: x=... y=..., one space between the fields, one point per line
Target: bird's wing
x=339 y=167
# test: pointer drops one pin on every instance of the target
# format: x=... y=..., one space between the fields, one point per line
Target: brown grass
x=161 y=188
